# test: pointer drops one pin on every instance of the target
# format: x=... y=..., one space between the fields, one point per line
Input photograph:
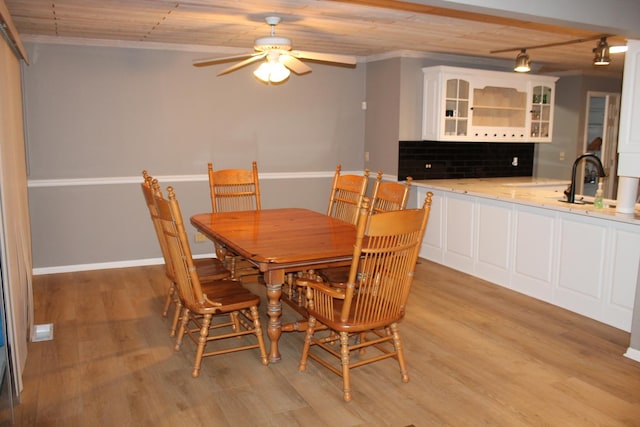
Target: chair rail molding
x=74 y=182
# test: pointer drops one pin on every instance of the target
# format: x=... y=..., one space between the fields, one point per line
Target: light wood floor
x=478 y=355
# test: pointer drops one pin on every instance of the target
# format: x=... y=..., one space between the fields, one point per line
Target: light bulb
x=522 y=62
x=263 y=72
x=278 y=72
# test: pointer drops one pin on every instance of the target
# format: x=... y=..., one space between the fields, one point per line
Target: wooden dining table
x=280 y=241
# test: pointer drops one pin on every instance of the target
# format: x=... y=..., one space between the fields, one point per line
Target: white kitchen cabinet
x=542 y=95
x=581 y=263
x=534 y=253
x=459 y=225
x=582 y=257
x=494 y=241
x=432 y=243
x=461 y=104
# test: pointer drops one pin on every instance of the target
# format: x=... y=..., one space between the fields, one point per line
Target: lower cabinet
x=584 y=264
x=534 y=254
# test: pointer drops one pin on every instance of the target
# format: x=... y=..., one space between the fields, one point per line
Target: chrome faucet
x=571 y=191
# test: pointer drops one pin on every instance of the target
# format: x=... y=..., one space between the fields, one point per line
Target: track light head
x=522 y=62
x=601 y=53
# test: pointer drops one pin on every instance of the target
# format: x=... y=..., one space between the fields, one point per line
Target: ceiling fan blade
x=241 y=64
x=325 y=57
x=204 y=62
x=294 y=64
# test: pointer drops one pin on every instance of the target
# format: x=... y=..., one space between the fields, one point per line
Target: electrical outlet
x=199 y=237
x=366 y=156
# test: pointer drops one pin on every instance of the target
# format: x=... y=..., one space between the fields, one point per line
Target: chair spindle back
x=347 y=194
x=234 y=189
x=187 y=280
x=386 y=251
x=389 y=196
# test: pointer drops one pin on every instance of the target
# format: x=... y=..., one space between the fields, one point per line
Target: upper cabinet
x=462 y=104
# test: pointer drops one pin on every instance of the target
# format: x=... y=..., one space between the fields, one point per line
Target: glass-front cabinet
x=463 y=104
x=541 y=117
x=456 y=113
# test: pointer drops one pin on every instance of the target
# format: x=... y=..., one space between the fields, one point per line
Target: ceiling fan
x=279 y=57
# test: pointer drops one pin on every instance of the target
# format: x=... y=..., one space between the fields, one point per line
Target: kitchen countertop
x=537 y=192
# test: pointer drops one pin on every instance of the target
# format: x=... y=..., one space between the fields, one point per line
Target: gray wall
x=569 y=121
x=97 y=116
x=383 y=109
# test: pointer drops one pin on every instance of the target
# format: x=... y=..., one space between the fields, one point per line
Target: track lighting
x=601 y=52
x=522 y=62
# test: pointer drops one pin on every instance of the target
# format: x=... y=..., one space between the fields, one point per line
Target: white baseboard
x=105 y=265
x=632 y=353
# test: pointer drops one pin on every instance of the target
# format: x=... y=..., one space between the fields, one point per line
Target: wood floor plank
x=477 y=354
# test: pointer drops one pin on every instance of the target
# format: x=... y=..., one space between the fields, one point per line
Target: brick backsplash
x=440 y=160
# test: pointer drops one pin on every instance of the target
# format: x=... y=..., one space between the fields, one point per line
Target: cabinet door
x=533 y=263
x=445 y=114
x=431 y=107
x=581 y=257
x=493 y=253
x=541 y=113
x=456 y=108
x=432 y=243
x=459 y=228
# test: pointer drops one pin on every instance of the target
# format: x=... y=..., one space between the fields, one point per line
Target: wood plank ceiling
x=355 y=27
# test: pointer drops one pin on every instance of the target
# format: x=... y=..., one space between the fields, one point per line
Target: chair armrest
x=326 y=289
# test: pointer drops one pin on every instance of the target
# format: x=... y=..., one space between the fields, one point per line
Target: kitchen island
x=515 y=232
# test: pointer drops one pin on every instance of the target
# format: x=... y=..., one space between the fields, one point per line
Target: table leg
x=274 y=280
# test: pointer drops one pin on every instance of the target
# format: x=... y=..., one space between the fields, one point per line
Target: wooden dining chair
x=345 y=199
x=347 y=193
x=208 y=269
x=222 y=306
x=234 y=190
x=384 y=259
x=386 y=196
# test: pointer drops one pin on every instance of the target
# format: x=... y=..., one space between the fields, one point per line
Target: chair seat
x=227 y=296
x=211 y=269
x=336 y=276
x=352 y=325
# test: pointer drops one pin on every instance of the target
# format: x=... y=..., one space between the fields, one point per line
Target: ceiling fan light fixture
x=522 y=62
x=280 y=59
x=272 y=71
x=279 y=72
x=601 y=53
x=263 y=72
